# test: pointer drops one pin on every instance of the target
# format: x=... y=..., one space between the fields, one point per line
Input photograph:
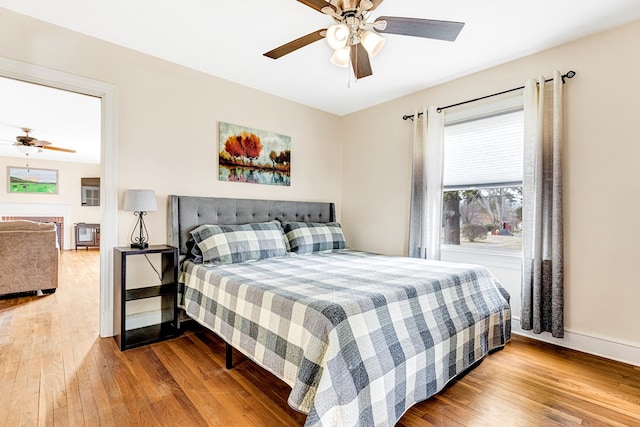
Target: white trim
x=510 y=101
x=108 y=206
x=488 y=257
x=109 y=155
x=604 y=347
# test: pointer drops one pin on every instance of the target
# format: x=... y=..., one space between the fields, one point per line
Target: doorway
x=108 y=94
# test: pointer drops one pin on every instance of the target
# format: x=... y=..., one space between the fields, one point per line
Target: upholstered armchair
x=28 y=257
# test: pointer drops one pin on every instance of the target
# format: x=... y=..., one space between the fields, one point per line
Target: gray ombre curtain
x=542 y=223
x=425 y=222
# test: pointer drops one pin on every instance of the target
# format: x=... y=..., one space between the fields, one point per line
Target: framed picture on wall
x=32 y=180
x=253 y=155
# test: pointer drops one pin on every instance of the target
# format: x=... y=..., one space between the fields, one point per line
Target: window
x=90 y=191
x=482 y=179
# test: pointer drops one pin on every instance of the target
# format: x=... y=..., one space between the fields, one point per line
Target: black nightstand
x=166 y=291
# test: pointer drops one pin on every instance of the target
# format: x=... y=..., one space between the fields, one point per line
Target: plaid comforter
x=359 y=337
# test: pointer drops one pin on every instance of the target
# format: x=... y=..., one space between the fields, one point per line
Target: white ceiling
x=227 y=39
x=65 y=119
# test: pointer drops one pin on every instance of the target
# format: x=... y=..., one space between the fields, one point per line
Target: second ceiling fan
x=28 y=144
x=354 y=39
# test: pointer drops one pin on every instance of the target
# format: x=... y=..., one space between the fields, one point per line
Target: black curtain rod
x=569 y=75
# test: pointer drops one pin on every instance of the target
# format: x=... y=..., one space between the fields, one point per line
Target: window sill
x=497 y=252
x=501 y=258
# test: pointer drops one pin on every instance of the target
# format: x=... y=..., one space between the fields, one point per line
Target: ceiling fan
x=355 y=40
x=28 y=144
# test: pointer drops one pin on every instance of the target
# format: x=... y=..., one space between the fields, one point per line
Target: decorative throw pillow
x=307 y=237
x=230 y=244
x=193 y=251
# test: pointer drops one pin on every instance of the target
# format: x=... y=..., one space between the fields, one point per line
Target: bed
x=358 y=337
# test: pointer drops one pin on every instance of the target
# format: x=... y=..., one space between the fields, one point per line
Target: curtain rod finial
x=569 y=75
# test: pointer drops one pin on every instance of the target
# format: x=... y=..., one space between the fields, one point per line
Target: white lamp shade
x=337 y=36
x=372 y=42
x=140 y=201
x=341 y=57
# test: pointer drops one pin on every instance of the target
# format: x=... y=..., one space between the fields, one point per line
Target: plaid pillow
x=230 y=244
x=307 y=237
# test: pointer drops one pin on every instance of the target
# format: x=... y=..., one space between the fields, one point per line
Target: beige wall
x=69 y=174
x=167 y=121
x=601 y=185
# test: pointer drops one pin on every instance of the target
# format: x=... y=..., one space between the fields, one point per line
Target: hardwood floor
x=56 y=371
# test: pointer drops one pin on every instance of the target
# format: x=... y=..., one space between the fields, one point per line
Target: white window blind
x=484 y=151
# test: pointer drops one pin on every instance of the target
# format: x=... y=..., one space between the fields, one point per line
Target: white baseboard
x=621 y=352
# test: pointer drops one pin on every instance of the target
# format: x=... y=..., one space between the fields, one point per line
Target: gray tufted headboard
x=187 y=212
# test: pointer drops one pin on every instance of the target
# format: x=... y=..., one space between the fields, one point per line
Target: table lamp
x=140 y=202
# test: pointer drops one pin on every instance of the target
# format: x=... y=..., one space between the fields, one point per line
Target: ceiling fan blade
x=51 y=147
x=296 y=44
x=360 y=61
x=416 y=27
x=39 y=142
x=376 y=3
x=318 y=4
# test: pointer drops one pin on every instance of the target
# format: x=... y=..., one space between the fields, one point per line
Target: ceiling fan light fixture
x=27 y=149
x=338 y=36
x=341 y=57
x=372 y=42
x=355 y=40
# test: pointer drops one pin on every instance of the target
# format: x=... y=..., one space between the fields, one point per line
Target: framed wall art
x=253 y=156
x=32 y=180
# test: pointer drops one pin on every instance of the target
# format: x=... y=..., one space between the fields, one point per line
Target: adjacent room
x=319 y=213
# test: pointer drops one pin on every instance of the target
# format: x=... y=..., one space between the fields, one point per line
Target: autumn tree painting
x=255 y=156
x=246 y=145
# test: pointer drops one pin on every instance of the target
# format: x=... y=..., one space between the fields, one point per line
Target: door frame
x=108 y=94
